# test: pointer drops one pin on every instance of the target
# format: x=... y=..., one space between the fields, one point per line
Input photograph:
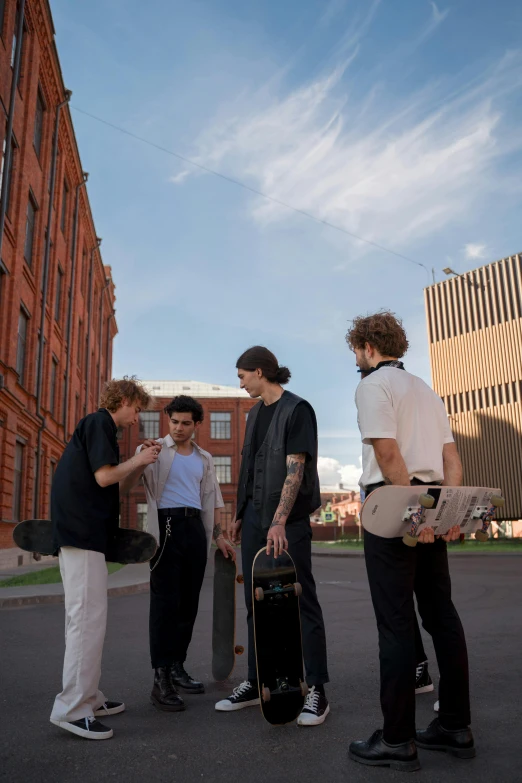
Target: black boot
x=181 y=679
x=375 y=752
x=457 y=742
x=164 y=696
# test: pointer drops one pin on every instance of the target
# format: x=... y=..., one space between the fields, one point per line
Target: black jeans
x=299 y=535
x=176 y=578
x=395 y=573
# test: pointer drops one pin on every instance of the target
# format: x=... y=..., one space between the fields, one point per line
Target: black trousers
x=176 y=578
x=299 y=535
x=395 y=573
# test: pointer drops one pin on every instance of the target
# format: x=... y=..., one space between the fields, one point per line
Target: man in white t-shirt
x=182 y=495
x=407 y=440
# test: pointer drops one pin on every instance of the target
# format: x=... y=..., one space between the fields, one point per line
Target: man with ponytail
x=278 y=490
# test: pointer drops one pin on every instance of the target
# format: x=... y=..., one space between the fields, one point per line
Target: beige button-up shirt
x=155 y=477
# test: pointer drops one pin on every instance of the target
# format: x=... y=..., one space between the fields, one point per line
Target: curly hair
x=130 y=389
x=383 y=330
x=184 y=404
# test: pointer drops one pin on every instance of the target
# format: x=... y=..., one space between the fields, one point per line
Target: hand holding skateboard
x=277 y=538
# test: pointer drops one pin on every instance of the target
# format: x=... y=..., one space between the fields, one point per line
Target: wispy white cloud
x=392 y=169
x=332 y=473
x=473 y=251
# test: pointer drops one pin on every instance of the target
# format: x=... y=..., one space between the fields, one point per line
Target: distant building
x=338 y=507
x=222 y=433
x=475 y=342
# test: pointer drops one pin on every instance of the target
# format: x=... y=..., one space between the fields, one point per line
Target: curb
x=451 y=555
x=31 y=600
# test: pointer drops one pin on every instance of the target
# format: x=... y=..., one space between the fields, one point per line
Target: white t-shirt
x=392 y=403
x=183 y=486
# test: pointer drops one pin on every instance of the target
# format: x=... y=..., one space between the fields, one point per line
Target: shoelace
x=312 y=700
x=88 y=722
x=241 y=689
x=419 y=670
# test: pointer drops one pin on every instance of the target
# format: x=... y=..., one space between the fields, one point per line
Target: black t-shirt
x=83 y=513
x=301 y=439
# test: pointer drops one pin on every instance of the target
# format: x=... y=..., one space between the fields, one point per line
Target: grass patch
x=469 y=546
x=45 y=576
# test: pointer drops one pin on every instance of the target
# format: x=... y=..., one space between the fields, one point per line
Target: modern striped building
x=475 y=341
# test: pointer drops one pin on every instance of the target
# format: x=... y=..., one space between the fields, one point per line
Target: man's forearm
x=295 y=464
x=114 y=474
x=128 y=483
x=391 y=462
x=452 y=473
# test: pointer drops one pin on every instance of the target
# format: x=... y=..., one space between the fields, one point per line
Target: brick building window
x=58 y=300
x=141 y=515
x=83 y=275
x=29 y=230
x=149 y=424
x=2 y=17
x=10 y=177
x=226 y=516
x=38 y=124
x=223 y=467
x=76 y=409
x=65 y=195
x=54 y=380
x=18 y=482
x=23 y=320
x=220 y=426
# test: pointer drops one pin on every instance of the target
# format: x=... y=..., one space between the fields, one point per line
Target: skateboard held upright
x=277 y=628
x=224 y=648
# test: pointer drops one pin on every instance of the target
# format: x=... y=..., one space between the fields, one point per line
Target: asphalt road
x=201 y=744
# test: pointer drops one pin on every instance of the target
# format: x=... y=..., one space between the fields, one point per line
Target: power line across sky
x=243 y=185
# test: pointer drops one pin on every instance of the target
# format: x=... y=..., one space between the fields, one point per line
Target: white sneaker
x=315 y=709
x=109 y=708
x=245 y=695
x=436 y=706
x=89 y=727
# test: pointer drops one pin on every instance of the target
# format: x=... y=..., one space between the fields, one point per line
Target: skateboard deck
x=393 y=511
x=277 y=633
x=126 y=547
x=224 y=648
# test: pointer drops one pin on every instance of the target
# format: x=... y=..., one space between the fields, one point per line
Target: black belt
x=182 y=511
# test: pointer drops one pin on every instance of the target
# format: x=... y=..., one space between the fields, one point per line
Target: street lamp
x=449 y=271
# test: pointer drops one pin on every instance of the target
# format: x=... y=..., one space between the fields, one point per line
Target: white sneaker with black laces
x=423 y=681
x=315 y=709
x=245 y=695
x=109 y=708
x=89 y=728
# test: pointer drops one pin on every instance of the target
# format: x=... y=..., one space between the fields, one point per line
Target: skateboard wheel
x=497 y=501
x=259 y=594
x=304 y=689
x=427 y=501
x=480 y=535
x=265 y=693
x=298 y=590
x=240 y=578
x=409 y=540
x=239 y=649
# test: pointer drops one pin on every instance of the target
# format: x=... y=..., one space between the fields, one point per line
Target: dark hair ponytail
x=260 y=357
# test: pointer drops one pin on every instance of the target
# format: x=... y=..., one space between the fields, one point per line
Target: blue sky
x=398 y=121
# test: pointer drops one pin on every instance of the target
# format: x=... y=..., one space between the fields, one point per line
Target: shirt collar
x=168 y=441
x=114 y=425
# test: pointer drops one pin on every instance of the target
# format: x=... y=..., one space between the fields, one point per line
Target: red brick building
x=51 y=366
x=221 y=433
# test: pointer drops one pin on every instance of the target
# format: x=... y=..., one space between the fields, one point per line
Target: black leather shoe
x=181 y=679
x=459 y=743
x=375 y=752
x=164 y=696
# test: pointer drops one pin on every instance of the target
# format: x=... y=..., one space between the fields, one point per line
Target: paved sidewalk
x=129 y=579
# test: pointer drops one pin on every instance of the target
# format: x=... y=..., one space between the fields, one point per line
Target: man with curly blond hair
x=85 y=511
x=407 y=440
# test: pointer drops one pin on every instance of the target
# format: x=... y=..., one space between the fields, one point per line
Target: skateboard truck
x=415 y=516
x=276 y=591
x=283 y=687
x=486 y=514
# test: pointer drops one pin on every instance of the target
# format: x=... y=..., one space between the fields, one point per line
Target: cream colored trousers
x=84 y=576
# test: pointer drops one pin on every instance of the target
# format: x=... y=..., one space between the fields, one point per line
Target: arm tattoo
x=217 y=531
x=295 y=465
